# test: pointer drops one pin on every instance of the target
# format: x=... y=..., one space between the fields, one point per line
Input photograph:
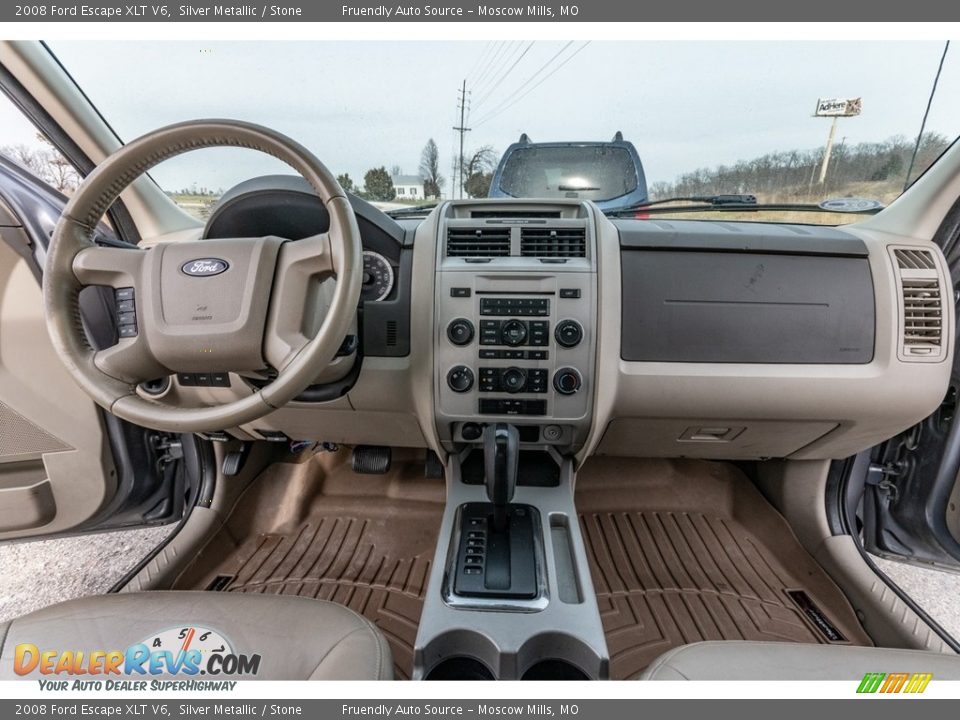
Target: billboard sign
x=838 y=107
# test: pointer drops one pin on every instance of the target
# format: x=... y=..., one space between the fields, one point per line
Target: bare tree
x=46 y=162
x=477 y=171
x=433 y=181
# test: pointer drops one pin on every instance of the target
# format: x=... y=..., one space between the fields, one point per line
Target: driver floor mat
x=684 y=551
x=317 y=529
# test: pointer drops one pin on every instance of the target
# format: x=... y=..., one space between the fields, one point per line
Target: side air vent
x=921 y=309
x=466 y=242
x=545 y=242
x=914 y=259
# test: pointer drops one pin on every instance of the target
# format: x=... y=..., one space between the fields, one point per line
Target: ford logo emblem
x=204 y=267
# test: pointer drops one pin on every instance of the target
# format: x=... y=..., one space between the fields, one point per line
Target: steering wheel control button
x=568 y=333
x=460 y=378
x=513 y=332
x=460 y=331
x=567 y=381
x=513 y=379
x=126 y=312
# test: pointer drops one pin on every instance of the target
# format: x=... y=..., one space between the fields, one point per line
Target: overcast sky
x=363 y=104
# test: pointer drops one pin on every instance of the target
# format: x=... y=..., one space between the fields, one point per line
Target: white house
x=408 y=187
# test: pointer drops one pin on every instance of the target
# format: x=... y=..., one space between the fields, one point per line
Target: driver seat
x=297 y=638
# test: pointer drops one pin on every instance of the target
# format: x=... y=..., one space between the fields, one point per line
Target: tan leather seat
x=297 y=638
x=794 y=661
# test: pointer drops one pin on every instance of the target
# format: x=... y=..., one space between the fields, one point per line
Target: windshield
x=589 y=172
x=802 y=123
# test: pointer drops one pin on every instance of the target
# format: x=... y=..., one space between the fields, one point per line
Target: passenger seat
x=741 y=660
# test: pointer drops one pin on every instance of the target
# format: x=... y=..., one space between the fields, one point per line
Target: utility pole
x=829 y=149
x=462 y=129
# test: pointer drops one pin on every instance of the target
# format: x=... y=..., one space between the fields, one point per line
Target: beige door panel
x=56 y=470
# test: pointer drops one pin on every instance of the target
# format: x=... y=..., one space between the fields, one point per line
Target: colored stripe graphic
x=892 y=683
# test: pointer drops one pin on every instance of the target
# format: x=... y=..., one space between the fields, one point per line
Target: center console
x=510 y=595
x=516 y=310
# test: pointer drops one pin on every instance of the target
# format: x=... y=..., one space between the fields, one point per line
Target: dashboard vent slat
x=914 y=259
x=922 y=317
x=470 y=242
x=547 y=242
x=923 y=331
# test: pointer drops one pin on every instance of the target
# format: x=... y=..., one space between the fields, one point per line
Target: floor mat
x=316 y=529
x=684 y=551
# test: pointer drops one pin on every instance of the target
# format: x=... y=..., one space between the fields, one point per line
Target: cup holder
x=460 y=668
x=554 y=669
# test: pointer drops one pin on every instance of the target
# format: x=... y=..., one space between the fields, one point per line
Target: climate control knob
x=513 y=332
x=513 y=379
x=460 y=331
x=568 y=333
x=567 y=381
x=460 y=378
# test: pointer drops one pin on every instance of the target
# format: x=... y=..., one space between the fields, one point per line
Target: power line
x=476 y=63
x=496 y=84
x=531 y=78
x=504 y=76
x=570 y=57
x=493 y=80
x=923 y=123
x=491 y=62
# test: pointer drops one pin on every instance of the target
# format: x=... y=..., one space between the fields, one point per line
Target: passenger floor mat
x=684 y=551
x=317 y=529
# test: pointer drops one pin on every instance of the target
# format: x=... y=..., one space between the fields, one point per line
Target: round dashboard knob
x=567 y=381
x=568 y=333
x=460 y=331
x=513 y=332
x=513 y=379
x=460 y=378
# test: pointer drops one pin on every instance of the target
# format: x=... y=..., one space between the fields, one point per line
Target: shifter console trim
x=483 y=602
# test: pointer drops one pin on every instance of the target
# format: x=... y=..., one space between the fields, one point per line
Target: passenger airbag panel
x=726 y=307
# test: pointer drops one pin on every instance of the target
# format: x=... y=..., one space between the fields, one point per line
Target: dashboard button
x=460 y=331
x=460 y=378
x=513 y=332
x=567 y=381
x=513 y=379
x=568 y=333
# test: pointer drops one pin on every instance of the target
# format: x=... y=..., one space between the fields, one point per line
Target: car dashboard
x=653 y=338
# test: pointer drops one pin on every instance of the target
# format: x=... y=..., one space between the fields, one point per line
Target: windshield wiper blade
x=711 y=200
x=415 y=210
x=728 y=203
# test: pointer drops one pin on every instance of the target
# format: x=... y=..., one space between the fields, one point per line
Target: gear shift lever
x=501 y=452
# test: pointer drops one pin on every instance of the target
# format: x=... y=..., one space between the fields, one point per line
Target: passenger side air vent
x=545 y=242
x=487 y=242
x=914 y=259
x=921 y=308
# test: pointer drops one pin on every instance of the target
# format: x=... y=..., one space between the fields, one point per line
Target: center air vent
x=545 y=242
x=921 y=310
x=487 y=242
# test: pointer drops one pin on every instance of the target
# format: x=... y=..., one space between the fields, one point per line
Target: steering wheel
x=213 y=306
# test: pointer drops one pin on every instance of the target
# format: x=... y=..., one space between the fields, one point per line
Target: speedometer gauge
x=377 y=277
